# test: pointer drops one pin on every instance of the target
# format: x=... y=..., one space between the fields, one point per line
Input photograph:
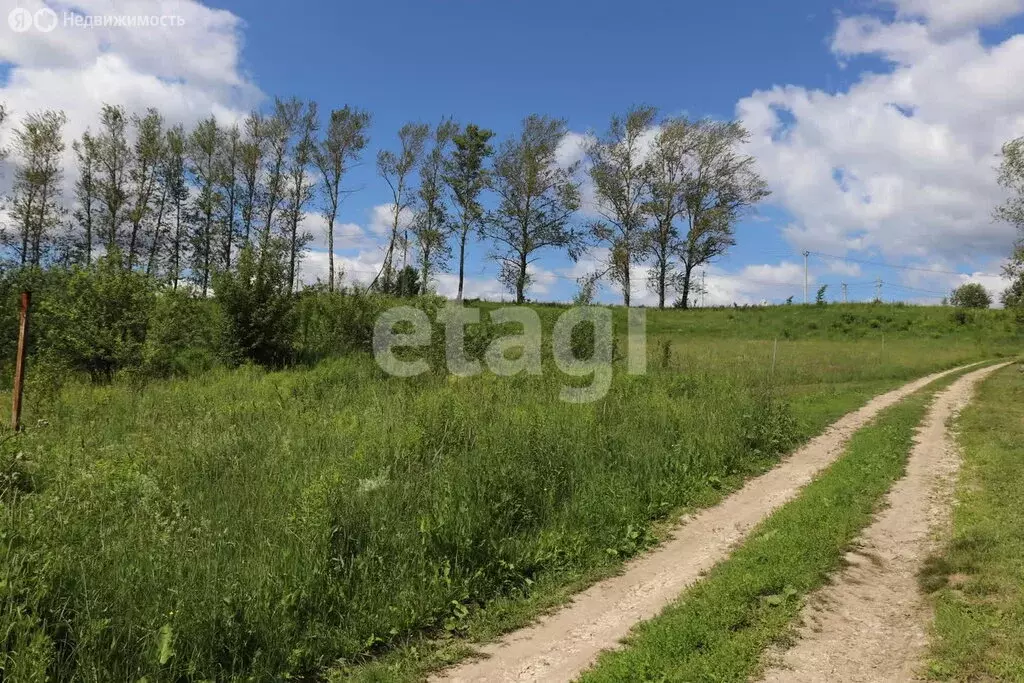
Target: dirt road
x=562 y=644
x=871 y=623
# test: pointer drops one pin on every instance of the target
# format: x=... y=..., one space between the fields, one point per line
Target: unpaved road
x=871 y=624
x=559 y=646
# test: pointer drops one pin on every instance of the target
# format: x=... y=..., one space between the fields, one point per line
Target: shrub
x=97 y=322
x=259 y=321
x=971 y=295
x=182 y=335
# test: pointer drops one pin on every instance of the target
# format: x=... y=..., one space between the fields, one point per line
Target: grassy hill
x=245 y=523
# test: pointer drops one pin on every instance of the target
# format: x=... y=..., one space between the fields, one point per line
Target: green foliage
x=263 y=525
x=407 y=283
x=258 y=312
x=98 y=325
x=182 y=335
x=819 y=298
x=971 y=295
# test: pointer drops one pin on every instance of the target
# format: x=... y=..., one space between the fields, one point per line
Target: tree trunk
x=462 y=261
x=625 y=282
x=687 y=274
x=330 y=253
x=521 y=280
x=231 y=230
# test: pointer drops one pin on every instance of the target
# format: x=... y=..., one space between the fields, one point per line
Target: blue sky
x=875 y=122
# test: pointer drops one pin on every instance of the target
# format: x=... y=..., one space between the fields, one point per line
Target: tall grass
x=259 y=525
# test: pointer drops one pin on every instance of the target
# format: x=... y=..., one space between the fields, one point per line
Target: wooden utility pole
x=19 y=366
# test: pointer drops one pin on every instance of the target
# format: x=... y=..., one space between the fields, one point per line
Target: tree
x=1013 y=296
x=36 y=207
x=259 y=314
x=667 y=205
x=622 y=183
x=250 y=161
x=114 y=156
x=396 y=169
x=142 y=175
x=277 y=132
x=430 y=226
x=408 y=282
x=86 y=192
x=177 y=192
x=467 y=177
x=971 y=295
x=228 y=164
x=1011 y=177
x=819 y=298
x=536 y=201
x=202 y=148
x=341 y=146
x=722 y=187
x=301 y=186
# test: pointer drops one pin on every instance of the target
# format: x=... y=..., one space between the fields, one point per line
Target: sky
x=876 y=123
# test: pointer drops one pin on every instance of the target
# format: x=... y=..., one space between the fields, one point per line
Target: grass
x=978 y=580
x=720 y=628
x=254 y=525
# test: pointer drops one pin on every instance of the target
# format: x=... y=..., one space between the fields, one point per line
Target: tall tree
x=228 y=164
x=201 y=149
x=537 y=199
x=177 y=192
x=36 y=207
x=1011 y=178
x=301 y=187
x=466 y=176
x=341 y=146
x=277 y=133
x=430 y=225
x=667 y=204
x=114 y=156
x=86 y=193
x=722 y=186
x=397 y=169
x=250 y=163
x=622 y=180
x=143 y=171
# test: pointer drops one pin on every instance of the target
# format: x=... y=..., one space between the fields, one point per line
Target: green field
x=245 y=524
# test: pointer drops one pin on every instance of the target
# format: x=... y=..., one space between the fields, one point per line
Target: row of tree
x=180 y=204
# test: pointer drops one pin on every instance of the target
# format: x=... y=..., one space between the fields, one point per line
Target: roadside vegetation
x=977 y=581
x=255 y=523
x=720 y=628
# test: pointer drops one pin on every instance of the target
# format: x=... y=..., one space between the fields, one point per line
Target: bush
x=97 y=321
x=182 y=335
x=259 y=321
x=971 y=295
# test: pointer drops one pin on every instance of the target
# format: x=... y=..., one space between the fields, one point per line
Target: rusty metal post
x=19 y=367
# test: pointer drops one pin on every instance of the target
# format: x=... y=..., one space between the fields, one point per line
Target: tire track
x=562 y=644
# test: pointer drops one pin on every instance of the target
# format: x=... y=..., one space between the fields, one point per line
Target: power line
x=899 y=267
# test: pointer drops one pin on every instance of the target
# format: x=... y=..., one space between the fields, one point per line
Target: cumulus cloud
x=188 y=68
x=958 y=14
x=902 y=162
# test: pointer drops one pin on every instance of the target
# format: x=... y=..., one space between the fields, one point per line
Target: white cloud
x=958 y=14
x=186 y=71
x=903 y=161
